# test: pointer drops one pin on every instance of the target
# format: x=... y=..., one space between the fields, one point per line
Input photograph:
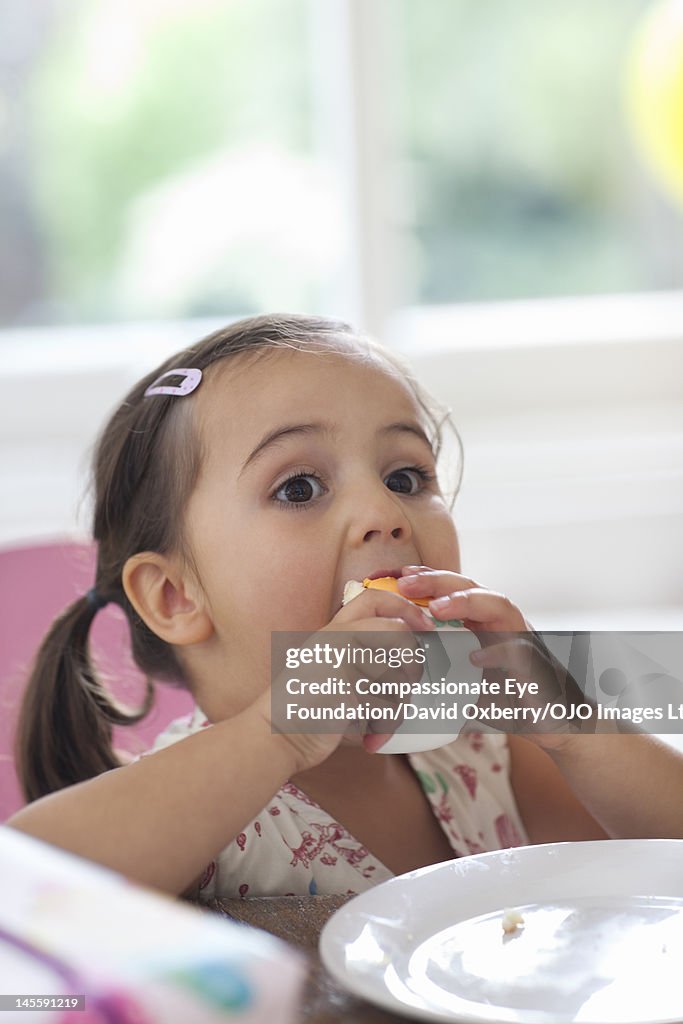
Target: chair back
x=37 y=582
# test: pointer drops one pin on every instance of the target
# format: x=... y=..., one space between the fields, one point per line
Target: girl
x=238 y=487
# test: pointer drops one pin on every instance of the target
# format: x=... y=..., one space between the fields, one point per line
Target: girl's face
x=316 y=470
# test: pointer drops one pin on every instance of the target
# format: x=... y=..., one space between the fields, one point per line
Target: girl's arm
x=581 y=786
x=632 y=784
x=550 y=810
x=161 y=820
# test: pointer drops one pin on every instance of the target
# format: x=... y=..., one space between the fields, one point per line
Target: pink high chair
x=37 y=582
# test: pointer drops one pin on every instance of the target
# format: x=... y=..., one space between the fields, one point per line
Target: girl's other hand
x=458 y=597
x=493 y=617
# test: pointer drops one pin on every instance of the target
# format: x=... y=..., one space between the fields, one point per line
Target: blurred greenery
x=513 y=139
x=513 y=168
x=189 y=81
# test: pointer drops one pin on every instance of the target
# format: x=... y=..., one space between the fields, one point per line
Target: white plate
x=602 y=941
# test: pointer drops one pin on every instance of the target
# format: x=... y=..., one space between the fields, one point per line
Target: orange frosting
x=390 y=584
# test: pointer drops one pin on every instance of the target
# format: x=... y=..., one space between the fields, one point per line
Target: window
x=159 y=161
x=406 y=164
x=514 y=162
x=199 y=158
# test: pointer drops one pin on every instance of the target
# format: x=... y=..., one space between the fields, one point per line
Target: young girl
x=238 y=488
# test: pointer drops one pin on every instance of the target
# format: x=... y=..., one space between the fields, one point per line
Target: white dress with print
x=294 y=847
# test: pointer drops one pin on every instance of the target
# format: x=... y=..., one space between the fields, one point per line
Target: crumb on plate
x=512 y=920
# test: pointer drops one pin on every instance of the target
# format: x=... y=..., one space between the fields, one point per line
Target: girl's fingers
x=384 y=605
x=385 y=624
x=479 y=608
x=432 y=582
x=458 y=597
x=527 y=664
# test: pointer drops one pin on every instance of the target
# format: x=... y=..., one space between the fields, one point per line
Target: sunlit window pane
x=518 y=174
x=160 y=161
x=183 y=158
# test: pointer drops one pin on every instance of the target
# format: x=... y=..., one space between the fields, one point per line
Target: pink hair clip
x=189 y=380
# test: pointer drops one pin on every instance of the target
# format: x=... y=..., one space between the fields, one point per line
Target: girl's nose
x=379 y=513
x=397 y=533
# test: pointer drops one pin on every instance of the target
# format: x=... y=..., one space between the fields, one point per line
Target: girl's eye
x=298 y=490
x=418 y=476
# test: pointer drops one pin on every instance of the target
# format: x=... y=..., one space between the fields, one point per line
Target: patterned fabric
x=294 y=848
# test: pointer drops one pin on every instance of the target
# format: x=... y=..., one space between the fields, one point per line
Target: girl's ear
x=167 y=600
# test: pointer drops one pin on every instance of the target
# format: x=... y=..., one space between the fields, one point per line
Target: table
x=299 y=921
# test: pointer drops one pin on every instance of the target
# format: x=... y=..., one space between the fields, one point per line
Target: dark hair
x=145 y=468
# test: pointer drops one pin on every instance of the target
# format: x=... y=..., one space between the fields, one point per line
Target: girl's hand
x=371 y=612
x=458 y=597
x=522 y=656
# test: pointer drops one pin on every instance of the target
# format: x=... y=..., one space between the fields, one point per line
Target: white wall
x=58 y=387
x=571 y=413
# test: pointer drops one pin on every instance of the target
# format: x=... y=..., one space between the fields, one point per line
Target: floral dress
x=295 y=848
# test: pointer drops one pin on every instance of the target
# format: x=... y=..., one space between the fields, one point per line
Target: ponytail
x=64 y=733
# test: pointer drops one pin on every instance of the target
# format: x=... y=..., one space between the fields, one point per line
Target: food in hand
x=405 y=740
x=353 y=588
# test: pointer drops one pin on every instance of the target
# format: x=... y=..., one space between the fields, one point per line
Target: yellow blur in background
x=654 y=93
